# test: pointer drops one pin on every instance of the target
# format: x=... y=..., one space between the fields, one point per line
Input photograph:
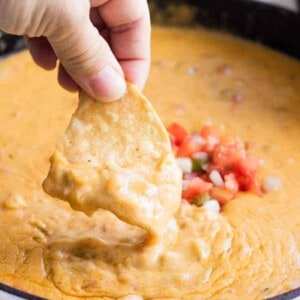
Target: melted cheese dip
x=250 y=250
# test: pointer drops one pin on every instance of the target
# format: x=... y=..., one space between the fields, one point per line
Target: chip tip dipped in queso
x=202 y=204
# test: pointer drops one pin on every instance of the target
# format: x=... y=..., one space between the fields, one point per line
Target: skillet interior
x=249 y=19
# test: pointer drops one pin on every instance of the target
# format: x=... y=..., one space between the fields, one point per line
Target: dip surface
x=250 y=250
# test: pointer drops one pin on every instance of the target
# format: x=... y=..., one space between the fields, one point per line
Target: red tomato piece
x=212 y=135
x=228 y=153
x=246 y=166
x=209 y=130
x=178 y=133
x=255 y=186
x=188 y=148
x=211 y=143
x=222 y=195
x=250 y=184
x=196 y=187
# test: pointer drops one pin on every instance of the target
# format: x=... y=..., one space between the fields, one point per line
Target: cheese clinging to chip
x=117 y=156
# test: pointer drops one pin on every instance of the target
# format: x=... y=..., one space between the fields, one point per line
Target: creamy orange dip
x=250 y=250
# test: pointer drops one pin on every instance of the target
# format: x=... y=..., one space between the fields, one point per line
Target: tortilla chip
x=117 y=156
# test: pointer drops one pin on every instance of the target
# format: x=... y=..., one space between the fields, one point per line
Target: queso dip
x=249 y=250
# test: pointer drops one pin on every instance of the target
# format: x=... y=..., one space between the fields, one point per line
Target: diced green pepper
x=199 y=200
x=198 y=165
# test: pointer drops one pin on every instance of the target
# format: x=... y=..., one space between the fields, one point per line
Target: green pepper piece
x=199 y=200
x=198 y=165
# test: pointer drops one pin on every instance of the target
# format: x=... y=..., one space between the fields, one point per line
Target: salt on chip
x=117 y=156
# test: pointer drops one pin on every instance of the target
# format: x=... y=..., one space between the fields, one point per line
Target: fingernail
x=108 y=85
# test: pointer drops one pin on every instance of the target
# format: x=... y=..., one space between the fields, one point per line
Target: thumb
x=88 y=59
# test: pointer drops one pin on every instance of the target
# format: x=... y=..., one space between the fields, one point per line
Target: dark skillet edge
x=15 y=292
x=245 y=18
x=287 y=296
x=10 y=44
x=273 y=26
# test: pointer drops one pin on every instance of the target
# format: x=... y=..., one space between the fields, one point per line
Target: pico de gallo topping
x=215 y=166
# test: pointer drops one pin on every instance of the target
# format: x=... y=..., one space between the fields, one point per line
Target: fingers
x=84 y=54
x=130 y=30
x=136 y=71
x=65 y=80
x=41 y=52
x=87 y=57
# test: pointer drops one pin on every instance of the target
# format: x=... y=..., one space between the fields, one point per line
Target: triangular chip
x=117 y=156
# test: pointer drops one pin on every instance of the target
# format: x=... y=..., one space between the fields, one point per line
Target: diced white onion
x=185 y=164
x=216 y=178
x=212 y=206
x=272 y=183
x=205 y=166
x=185 y=184
x=192 y=70
x=198 y=139
x=201 y=155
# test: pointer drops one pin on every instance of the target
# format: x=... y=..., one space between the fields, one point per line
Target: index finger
x=130 y=30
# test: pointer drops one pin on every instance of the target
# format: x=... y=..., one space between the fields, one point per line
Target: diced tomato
x=178 y=133
x=246 y=166
x=210 y=130
x=255 y=186
x=243 y=182
x=196 y=187
x=188 y=148
x=250 y=184
x=211 y=143
x=212 y=135
x=231 y=183
x=222 y=195
x=228 y=153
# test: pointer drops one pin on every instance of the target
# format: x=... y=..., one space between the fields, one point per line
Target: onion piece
x=272 y=183
x=192 y=70
x=198 y=139
x=216 y=178
x=185 y=164
x=212 y=206
x=201 y=155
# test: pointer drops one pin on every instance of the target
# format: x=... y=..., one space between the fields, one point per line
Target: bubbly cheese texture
x=251 y=250
x=117 y=156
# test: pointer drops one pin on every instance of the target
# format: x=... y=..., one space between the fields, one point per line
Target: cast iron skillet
x=275 y=27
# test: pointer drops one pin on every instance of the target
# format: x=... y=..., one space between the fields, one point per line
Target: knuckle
x=36 y=18
x=73 y=12
x=13 y=19
x=65 y=17
x=86 y=59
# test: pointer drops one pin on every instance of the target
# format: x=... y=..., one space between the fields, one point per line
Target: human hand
x=98 y=42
